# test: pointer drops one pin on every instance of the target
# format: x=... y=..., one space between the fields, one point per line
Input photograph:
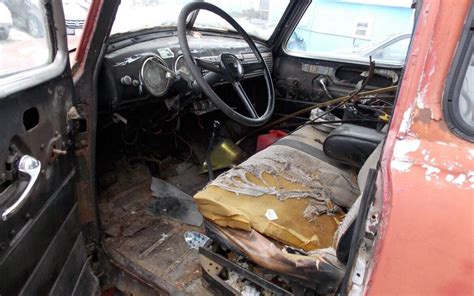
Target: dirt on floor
x=150 y=246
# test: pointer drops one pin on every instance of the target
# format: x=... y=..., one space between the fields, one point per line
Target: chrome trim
x=31 y=167
x=162 y=62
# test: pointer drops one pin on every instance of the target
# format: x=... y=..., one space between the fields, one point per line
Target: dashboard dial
x=154 y=77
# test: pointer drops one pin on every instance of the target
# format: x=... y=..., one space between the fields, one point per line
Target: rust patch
x=424 y=115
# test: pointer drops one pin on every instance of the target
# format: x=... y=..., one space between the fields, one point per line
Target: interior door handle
x=32 y=167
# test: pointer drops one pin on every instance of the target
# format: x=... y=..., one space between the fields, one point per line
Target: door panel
x=41 y=246
x=71 y=270
x=53 y=259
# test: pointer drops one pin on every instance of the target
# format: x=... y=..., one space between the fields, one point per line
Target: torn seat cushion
x=297 y=186
x=318 y=269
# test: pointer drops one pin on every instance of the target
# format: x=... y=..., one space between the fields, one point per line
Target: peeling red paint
x=426 y=240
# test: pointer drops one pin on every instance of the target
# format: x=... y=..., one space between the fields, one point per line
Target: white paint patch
x=471 y=154
x=432 y=71
x=403 y=147
x=426 y=156
x=420 y=97
x=406 y=121
x=402 y=166
x=460 y=179
x=400 y=151
x=449 y=178
x=446 y=144
x=431 y=171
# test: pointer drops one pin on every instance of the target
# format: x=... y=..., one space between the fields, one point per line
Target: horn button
x=232 y=66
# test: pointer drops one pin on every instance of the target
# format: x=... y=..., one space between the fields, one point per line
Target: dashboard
x=152 y=67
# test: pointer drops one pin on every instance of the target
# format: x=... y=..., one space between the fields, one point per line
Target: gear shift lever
x=215 y=126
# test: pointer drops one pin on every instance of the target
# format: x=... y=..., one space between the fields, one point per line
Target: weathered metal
x=425 y=242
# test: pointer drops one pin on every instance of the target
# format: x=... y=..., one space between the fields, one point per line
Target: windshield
x=258 y=17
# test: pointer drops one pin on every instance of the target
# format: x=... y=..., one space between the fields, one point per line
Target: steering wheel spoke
x=208 y=65
x=245 y=99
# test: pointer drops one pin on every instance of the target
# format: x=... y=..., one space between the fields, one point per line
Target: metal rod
x=252 y=277
x=319 y=105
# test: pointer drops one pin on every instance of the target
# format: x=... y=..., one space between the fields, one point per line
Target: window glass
x=24 y=36
x=354 y=30
x=466 y=96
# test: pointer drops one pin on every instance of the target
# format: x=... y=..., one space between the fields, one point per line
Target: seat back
x=352 y=144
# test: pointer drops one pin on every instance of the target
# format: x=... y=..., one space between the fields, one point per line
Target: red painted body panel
x=426 y=239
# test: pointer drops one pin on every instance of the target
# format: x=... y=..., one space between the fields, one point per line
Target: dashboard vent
x=249 y=57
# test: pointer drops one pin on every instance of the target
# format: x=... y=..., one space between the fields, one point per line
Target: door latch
x=31 y=167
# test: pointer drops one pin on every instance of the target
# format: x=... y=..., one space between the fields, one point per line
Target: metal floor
x=150 y=247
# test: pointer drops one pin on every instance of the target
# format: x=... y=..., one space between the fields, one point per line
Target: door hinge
x=73 y=122
x=76 y=123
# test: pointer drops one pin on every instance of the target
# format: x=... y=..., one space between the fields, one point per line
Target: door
x=42 y=251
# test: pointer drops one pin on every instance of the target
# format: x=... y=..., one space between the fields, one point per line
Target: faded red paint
x=426 y=242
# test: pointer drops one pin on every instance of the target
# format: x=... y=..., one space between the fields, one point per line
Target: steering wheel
x=228 y=66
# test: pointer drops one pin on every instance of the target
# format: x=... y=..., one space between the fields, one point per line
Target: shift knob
x=216 y=125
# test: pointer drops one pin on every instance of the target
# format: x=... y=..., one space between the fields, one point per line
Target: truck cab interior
x=232 y=124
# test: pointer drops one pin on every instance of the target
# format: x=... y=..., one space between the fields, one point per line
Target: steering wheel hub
x=232 y=66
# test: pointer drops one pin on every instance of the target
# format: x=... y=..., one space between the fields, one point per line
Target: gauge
x=153 y=76
x=180 y=67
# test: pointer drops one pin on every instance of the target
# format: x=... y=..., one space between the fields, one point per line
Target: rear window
x=354 y=30
x=459 y=94
x=466 y=96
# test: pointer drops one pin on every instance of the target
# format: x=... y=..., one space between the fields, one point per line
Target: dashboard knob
x=126 y=80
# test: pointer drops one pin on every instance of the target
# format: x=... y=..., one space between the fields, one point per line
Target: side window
x=395 y=52
x=24 y=36
x=459 y=94
x=354 y=30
